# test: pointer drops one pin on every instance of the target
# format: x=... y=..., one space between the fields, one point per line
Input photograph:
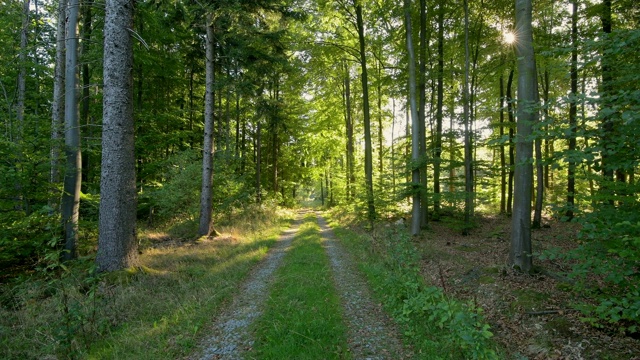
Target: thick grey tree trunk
x=207 y=150
x=520 y=256
x=73 y=169
x=57 y=104
x=368 y=156
x=117 y=245
x=415 y=123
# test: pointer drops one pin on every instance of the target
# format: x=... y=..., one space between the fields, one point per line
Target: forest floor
x=532 y=317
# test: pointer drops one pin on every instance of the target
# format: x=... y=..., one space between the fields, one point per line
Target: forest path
x=371 y=333
x=230 y=334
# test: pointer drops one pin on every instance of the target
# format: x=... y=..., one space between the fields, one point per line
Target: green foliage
x=24 y=238
x=605 y=268
x=434 y=323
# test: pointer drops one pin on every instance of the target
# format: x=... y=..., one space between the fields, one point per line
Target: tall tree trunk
x=503 y=169
x=437 y=143
x=607 y=87
x=349 y=130
x=512 y=123
x=379 y=113
x=73 y=170
x=573 y=112
x=22 y=72
x=368 y=158
x=206 y=193
x=422 y=115
x=468 y=156
x=57 y=105
x=259 y=163
x=415 y=134
x=117 y=245
x=86 y=78
x=537 y=212
x=520 y=255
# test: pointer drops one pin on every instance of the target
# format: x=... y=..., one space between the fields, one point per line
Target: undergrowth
x=156 y=311
x=437 y=326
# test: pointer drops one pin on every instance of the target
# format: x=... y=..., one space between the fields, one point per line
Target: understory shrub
x=605 y=271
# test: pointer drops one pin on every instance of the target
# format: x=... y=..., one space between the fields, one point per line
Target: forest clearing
x=319 y=179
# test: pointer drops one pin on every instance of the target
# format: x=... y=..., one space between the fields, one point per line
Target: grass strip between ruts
x=302 y=318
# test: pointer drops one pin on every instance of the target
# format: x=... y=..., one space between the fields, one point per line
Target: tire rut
x=372 y=334
x=231 y=337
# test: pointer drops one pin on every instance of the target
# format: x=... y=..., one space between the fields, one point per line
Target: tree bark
x=573 y=112
x=117 y=244
x=512 y=123
x=437 y=144
x=349 y=131
x=503 y=169
x=415 y=133
x=57 y=104
x=368 y=158
x=205 y=228
x=520 y=255
x=468 y=157
x=422 y=115
x=73 y=170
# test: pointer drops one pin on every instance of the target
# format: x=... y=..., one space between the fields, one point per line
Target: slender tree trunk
x=439 y=109
x=117 y=244
x=468 y=156
x=573 y=113
x=607 y=120
x=520 y=255
x=57 y=105
x=86 y=78
x=73 y=170
x=22 y=73
x=503 y=169
x=512 y=123
x=380 y=134
x=259 y=163
x=368 y=158
x=415 y=134
x=206 y=193
x=422 y=116
x=393 y=148
x=349 y=129
x=537 y=213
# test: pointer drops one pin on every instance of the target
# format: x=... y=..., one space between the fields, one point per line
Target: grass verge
x=302 y=318
x=156 y=311
x=437 y=327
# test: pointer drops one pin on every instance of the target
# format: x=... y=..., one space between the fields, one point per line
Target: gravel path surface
x=230 y=334
x=372 y=335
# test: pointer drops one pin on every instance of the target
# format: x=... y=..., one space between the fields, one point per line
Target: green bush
x=606 y=268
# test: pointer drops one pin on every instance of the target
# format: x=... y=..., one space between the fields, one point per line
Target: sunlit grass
x=159 y=310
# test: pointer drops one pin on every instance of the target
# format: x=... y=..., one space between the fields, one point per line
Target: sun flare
x=509 y=37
